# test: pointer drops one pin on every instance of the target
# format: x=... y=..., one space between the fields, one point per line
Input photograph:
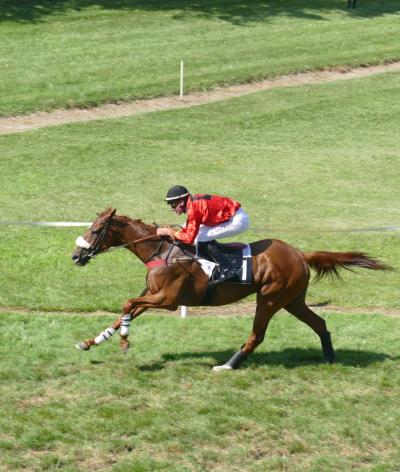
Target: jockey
x=209 y=217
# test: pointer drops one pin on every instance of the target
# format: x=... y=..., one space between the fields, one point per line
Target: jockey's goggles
x=176 y=203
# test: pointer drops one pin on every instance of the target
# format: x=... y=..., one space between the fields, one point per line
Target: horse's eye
x=96 y=231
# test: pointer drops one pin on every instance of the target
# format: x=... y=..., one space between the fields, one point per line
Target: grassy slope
x=69 y=53
x=161 y=408
x=305 y=158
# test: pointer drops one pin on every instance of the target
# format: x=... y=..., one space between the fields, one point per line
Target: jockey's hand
x=165 y=231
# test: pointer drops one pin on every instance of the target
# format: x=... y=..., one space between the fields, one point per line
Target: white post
x=181 y=81
x=183 y=311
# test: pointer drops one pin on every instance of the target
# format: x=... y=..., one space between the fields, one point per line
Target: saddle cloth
x=239 y=255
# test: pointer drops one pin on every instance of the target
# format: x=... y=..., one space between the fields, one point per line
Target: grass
x=160 y=407
x=87 y=53
x=306 y=159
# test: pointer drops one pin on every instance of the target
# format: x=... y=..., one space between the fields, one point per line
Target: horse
x=281 y=275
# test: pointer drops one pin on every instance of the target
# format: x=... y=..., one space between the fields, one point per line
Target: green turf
x=306 y=158
x=86 y=52
x=160 y=407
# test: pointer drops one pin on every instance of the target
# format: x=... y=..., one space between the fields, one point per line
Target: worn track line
x=21 y=123
x=239 y=309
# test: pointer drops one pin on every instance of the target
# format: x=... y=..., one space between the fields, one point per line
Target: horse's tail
x=329 y=263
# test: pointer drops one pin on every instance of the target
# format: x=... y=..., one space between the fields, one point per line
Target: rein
x=94 y=248
x=136 y=241
x=148 y=262
x=144 y=239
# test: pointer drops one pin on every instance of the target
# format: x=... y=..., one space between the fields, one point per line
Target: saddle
x=232 y=258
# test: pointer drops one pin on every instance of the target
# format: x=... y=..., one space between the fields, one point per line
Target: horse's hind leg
x=300 y=310
x=264 y=312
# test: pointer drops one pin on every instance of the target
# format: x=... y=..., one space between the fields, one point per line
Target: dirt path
x=16 y=124
x=245 y=308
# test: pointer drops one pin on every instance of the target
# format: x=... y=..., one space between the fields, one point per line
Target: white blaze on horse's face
x=82 y=243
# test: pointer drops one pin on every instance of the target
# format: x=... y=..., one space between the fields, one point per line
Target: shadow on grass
x=290 y=358
x=319 y=304
x=239 y=12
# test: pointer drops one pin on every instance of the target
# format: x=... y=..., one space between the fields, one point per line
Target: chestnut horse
x=280 y=279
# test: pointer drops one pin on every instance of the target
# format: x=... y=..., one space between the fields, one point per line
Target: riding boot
x=201 y=250
x=226 y=271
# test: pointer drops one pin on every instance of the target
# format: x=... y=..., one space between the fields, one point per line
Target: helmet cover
x=175 y=193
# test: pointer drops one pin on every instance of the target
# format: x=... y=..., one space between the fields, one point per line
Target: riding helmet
x=176 y=193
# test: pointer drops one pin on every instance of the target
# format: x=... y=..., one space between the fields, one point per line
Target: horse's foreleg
x=132 y=308
x=300 y=310
x=126 y=320
x=122 y=322
x=135 y=307
x=101 y=338
x=264 y=312
x=150 y=300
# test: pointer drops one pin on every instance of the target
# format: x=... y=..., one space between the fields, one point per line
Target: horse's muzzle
x=81 y=257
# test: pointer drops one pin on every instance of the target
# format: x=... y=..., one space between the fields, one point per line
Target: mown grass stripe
x=88 y=55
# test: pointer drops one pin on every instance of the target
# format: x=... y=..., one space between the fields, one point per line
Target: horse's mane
x=143 y=228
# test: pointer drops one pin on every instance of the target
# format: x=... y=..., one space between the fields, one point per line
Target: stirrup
x=223 y=274
x=227 y=273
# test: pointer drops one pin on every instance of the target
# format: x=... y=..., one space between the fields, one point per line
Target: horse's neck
x=136 y=230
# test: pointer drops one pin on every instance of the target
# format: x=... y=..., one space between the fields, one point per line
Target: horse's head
x=98 y=238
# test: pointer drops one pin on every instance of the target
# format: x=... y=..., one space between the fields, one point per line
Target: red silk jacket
x=209 y=210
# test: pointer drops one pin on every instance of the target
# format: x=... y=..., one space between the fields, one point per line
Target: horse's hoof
x=124 y=344
x=218 y=368
x=82 y=346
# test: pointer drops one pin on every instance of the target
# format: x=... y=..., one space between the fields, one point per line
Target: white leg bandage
x=106 y=334
x=125 y=323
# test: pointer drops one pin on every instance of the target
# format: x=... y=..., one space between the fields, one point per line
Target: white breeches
x=235 y=225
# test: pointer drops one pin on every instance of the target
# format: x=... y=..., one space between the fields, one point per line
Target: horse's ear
x=109 y=213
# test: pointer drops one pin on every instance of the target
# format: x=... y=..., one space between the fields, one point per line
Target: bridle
x=92 y=250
